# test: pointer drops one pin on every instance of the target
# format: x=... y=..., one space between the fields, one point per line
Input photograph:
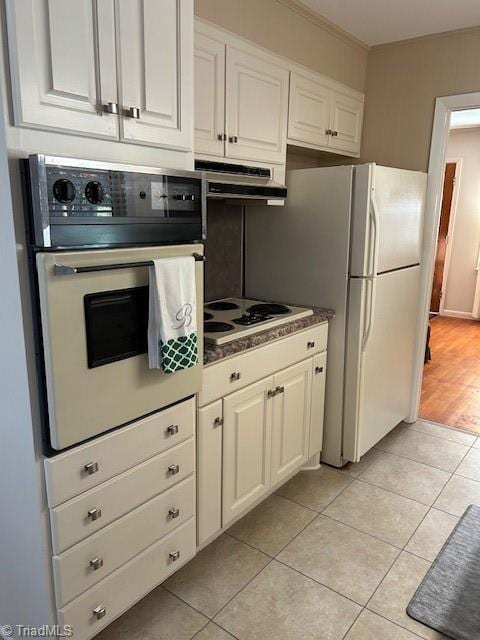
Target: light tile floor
x=334 y=555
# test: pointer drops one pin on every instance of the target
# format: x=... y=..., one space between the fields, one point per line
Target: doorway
x=450 y=376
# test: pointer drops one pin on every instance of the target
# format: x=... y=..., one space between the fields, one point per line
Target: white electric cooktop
x=232 y=318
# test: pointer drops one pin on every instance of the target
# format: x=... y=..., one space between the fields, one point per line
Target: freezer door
x=387 y=219
x=379 y=357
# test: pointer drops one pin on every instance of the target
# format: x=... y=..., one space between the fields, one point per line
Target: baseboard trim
x=465 y=315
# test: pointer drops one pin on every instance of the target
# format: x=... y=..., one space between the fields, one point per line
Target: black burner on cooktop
x=207 y=316
x=216 y=327
x=269 y=308
x=222 y=305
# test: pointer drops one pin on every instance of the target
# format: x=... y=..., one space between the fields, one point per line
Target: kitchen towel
x=172 y=315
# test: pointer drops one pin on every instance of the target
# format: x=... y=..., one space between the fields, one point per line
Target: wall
x=402 y=83
x=288 y=29
x=459 y=288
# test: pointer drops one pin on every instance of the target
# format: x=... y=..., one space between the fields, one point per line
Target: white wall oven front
x=94 y=326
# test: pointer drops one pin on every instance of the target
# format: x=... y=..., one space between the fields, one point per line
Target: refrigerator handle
x=371 y=286
x=376 y=231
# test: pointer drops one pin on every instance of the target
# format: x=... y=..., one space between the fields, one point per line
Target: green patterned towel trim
x=179 y=353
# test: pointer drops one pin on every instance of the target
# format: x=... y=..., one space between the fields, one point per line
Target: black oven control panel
x=102 y=204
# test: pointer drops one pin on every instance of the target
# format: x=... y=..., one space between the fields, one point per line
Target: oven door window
x=116 y=325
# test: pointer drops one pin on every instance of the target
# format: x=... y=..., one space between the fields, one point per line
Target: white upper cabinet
x=209 y=92
x=155 y=44
x=62 y=55
x=309 y=110
x=346 y=123
x=66 y=57
x=324 y=116
x=256 y=108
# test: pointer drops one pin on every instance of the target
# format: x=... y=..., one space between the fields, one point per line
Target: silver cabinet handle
x=173 y=469
x=111 y=107
x=233 y=139
x=100 y=612
x=173 y=513
x=334 y=133
x=222 y=136
x=174 y=555
x=328 y=132
x=96 y=563
x=94 y=514
x=91 y=467
x=310 y=344
x=133 y=112
x=271 y=393
x=172 y=429
x=218 y=422
x=279 y=390
x=318 y=369
x=236 y=375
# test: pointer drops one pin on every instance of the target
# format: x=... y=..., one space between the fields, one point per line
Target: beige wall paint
x=403 y=81
x=278 y=26
x=462 y=277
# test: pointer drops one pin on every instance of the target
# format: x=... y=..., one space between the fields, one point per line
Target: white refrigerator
x=349 y=238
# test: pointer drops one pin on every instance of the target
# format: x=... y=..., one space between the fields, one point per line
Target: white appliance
x=232 y=318
x=349 y=238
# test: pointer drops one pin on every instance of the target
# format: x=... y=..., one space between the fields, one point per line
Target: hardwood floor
x=451 y=383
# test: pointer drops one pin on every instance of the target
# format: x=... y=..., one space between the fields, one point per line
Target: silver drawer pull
x=173 y=513
x=173 y=469
x=111 y=107
x=100 y=612
x=94 y=514
x=133 y=112
x=310 y=344
x=271 y=393
x=172 y=429
x=318 y=369
x=279 y=390
x=174 y=555
x=91 y=468
x=218 y=422
x=236 y=375
x=96 y=563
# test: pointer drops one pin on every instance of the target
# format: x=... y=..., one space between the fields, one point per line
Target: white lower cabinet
x=247 y=437
x=291 y=419
x=257 y=436
x=209 y=470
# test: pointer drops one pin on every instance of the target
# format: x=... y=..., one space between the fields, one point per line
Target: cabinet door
x=62 y=57
x=256 y=108
x=309 y=110
x=346 y=123
x=155 y=39
x=246 y=447
x=318 y=403
x=209 y=95
x=291 y=419
x=209 y=470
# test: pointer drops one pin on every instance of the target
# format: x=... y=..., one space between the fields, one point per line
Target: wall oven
x=94 y=230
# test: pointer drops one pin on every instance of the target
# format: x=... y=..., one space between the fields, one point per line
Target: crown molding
x=298 y=7
x=430 y=36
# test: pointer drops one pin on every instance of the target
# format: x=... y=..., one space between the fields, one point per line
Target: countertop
x=212 y=353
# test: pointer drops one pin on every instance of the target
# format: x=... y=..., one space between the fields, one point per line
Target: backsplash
x=224 y=250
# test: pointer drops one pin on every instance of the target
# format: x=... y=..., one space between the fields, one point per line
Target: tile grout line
x=424 y=463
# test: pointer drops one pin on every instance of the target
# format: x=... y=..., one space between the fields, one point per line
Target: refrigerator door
x=379 y=357
x=387 y=219
x=299 y=254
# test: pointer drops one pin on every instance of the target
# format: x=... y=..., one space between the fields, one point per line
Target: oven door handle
x=66 y=270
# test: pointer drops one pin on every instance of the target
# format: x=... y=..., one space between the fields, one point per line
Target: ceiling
x=464 y=119
x=379 y=21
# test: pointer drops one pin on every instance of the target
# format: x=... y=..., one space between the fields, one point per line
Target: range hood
x=240 y=181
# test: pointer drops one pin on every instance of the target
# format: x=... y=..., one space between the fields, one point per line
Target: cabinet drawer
x=67 y=475
x=113 y=546
x=71 y=522
x=218 y=378
x=127 y=585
